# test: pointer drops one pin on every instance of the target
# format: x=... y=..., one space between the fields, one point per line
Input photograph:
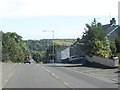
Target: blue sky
x=63 y=26
x=67 y=18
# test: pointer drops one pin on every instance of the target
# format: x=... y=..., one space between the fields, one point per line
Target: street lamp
x=53 y=45
x=52 y=42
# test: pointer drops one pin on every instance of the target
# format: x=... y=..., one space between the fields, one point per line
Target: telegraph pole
x=53 y=48
x=53 y=45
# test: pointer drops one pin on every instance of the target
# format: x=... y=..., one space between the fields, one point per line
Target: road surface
x=53 y=76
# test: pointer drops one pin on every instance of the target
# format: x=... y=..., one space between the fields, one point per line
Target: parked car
x=76 y=59
x=65 y=60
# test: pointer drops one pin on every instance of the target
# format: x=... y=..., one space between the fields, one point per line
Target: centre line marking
x=66 y=83
x=55 y=76
x=47 y=70
x=69 y=85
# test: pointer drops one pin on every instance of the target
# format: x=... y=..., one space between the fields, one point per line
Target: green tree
x=113 y=48
x=95 y=41
x=13 y=49
x=117 y=43
x=37 y=56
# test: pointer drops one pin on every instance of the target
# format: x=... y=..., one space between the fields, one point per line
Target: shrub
x=118 y=55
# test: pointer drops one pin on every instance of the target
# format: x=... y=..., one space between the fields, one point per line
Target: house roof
x=112 y=31
x=108 y=28
x=79 y=41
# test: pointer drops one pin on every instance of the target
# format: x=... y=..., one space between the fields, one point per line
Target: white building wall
x=58 y=56
x=65 y=53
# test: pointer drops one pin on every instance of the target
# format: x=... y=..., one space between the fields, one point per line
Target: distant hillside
x=65 y=41
x=43 y=44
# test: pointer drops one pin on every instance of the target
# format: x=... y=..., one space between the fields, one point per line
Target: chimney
x=113 y=21
x=78 y=39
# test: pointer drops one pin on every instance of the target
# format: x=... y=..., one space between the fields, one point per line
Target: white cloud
x=17 y=8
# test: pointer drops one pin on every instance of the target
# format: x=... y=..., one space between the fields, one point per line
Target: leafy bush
x=117 y=43
x=113 y=48
x=95 y=41
x=118 y=55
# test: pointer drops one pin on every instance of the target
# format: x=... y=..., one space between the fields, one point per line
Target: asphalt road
x=52 y=76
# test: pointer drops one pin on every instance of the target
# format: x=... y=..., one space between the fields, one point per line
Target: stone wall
x=107 y=62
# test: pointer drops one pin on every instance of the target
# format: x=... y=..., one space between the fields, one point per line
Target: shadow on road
x=88 y=64
x=64 y=65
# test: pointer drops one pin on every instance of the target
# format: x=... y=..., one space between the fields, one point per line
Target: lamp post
x=52 y=43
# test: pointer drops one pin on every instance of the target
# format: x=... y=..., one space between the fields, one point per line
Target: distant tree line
x=38 y=45
x=38 y=48
x=41 y=50
x=14 y=49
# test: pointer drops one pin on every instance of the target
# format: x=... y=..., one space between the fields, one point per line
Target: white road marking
x=47 y=70
x=51 y=73
x=42 y=67
x=55 y=76
x=69 y=85
x=66 y=83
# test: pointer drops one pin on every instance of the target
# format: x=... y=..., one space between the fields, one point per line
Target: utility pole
x=53 y=46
